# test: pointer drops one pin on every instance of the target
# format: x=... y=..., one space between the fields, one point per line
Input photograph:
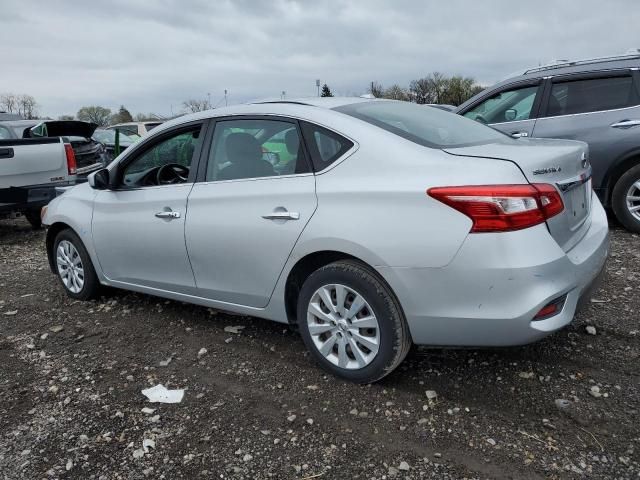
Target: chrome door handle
x=168 y=214
x=625 y=124
x=519 y=134
x=282 y=216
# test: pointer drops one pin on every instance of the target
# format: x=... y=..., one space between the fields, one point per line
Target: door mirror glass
x=99 y=180
x=510 y=114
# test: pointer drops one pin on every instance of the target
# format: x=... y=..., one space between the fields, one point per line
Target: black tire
x=33 y=217
x=91 y=286
x=394 y=338
x=619 y=199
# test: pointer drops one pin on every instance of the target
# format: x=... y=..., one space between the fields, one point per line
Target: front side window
x=430 y=127
x=506 y=106
x=254 y=149
x=166 y=162
x=592 y=95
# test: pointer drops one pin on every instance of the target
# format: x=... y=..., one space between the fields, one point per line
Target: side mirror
x=99 y=180
x=510 y=115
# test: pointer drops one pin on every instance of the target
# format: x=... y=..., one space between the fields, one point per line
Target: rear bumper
x=20 y=199
x=489 y=294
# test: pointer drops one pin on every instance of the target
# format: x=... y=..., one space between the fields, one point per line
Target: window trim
x=201 y=177
x=535 y=108
x=575 y=77
x=150 y=142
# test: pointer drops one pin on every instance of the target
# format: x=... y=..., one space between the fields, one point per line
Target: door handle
x=282 y=216
x=625 y=124
x=519 y=134
x=169 y=215
x=6 y=152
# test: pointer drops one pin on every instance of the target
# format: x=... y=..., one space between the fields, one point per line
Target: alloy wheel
x=70 y=267
x=633 y=200
x=343 y=326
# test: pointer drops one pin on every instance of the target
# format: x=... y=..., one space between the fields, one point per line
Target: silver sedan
x=371 y=225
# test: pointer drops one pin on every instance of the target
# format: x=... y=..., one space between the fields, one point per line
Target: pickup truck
x=30 y=171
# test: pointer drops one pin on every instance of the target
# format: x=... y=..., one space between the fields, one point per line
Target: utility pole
x=318 y=86
x=208 y=101
x=225 y=98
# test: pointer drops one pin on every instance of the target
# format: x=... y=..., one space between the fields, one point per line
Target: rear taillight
x=71 y=159
x=502 y=208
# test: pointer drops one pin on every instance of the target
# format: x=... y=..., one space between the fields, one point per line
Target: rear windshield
x=424 y=125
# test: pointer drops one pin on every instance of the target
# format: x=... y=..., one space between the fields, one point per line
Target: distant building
x=4 y=116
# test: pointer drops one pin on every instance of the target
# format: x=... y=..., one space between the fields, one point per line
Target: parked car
x=394 y=225
x=596 y=101
x=90 y=155
x=135 y=128
x=108 y=139
x=30 y=171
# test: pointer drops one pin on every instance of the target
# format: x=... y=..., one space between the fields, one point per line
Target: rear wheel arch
x=309 y=264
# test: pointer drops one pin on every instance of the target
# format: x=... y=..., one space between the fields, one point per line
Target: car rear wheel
x=74 y=267
x=626 y=199
x=352 y=323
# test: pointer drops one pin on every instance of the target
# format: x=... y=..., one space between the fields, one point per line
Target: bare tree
x=421 y=90
x=27 y=106
x=8 y=102
x=193 y=105
x=66 y=117
x=376 y=89
x=396 y=92
x=95 y=114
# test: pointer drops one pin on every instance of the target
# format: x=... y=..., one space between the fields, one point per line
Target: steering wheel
x=172 y=173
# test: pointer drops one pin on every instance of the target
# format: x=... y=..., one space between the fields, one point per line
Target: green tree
x=457 y=90
x=95 y=114
x=123 y=116
x=326 y=91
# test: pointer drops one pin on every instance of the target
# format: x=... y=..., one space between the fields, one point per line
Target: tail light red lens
x=71 y=159
x=502 y=208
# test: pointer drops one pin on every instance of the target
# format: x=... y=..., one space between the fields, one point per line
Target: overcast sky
x=152 y=55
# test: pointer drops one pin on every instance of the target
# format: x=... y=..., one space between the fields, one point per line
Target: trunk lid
x=562 y=163
x=63 y=128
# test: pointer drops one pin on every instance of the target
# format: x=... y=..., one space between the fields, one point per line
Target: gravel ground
x=256 y=407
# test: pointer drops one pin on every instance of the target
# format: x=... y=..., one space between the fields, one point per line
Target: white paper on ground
x=160 y=394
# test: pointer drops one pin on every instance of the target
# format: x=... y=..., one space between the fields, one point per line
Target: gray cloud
x=150 y=56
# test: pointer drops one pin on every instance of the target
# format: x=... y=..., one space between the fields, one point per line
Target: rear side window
x=591 y=95
x=425 y=126
x=325 y=146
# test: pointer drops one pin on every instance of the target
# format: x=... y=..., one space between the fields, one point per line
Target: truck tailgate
x=32 y=162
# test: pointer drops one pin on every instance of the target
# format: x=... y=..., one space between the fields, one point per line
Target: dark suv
x=596 y=101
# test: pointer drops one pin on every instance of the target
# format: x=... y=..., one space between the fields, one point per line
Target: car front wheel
x=352 y=323
x=74 y=267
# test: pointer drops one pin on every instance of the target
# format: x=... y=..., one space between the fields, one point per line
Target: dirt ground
x=255 y=406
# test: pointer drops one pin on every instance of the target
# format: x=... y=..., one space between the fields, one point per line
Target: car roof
x=568 y=67
x=312 y=108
